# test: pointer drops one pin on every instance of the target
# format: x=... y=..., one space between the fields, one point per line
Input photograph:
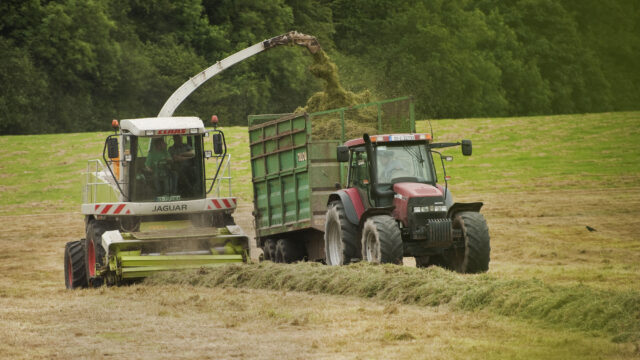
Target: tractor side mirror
x=343 y=154
x=466 y=147
x=112 y=148
x=217 y=144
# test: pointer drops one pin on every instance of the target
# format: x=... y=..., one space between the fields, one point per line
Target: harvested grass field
x=554 y=290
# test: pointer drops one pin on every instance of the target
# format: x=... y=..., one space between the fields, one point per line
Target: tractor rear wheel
x=381 y=240
x=288 y=251
x=74 y=265
x=340 y=242
x=474 y=257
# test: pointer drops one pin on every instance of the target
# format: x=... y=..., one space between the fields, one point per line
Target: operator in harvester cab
x=157 y=163
x=180 y=153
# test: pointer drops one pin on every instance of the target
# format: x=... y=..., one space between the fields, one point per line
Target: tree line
x=73 y=65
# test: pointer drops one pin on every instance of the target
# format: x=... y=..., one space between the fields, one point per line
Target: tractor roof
x=163 y=126
x=390 y=138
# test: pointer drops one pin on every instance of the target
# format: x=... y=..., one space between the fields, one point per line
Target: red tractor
x=393 y=207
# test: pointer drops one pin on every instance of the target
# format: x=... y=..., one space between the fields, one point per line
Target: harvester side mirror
x=466 y=147
x=217 y=144
x=342 y=154
x=112 y=148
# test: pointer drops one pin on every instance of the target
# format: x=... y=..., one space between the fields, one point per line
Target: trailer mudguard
x=351 y=202
x=460 y=207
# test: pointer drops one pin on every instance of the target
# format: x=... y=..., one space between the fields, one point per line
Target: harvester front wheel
x=94 y=252
x=74 y=265
x=474 y=257
x=340 y=242
x=381 y=240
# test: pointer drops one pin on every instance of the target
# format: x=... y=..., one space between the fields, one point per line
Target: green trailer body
x=294 y=166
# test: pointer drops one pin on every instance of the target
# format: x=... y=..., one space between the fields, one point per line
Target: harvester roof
x=163 y=126
x=389 y=138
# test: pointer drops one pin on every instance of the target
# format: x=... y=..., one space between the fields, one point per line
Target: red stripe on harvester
x=119 y=208
x=106 y=209
x=226 y=202
x=97 y=206
x=216 y=203
x=235 y=202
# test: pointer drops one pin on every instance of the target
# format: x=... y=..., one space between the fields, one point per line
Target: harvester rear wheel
x=474 y=257
x=341 y=244
x=381 y=240
x=288 y=251
x=74 y=265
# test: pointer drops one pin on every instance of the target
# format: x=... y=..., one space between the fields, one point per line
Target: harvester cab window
x=167 y=168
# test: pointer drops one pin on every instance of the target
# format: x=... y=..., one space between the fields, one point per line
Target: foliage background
x=73 y=65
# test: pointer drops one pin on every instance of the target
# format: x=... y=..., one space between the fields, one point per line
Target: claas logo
x=172 y=132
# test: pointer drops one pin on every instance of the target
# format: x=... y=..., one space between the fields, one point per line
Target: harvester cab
x=394 y=206
x=146 y=206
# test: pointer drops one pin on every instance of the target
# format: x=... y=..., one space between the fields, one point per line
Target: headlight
x=149 y=132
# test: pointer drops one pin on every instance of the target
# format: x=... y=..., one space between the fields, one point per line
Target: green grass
x=610 y=313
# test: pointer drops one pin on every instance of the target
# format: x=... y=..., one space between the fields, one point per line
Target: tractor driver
x=156 y=163
x=181 y=153
x=388 y=165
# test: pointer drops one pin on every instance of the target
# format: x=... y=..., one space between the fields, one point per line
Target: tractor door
x=359 y=174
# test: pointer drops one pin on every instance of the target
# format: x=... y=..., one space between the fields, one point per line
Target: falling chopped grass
x=334 y=96
x=613 y=313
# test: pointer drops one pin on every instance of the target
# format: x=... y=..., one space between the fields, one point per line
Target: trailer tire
x=74 y=265
x=341 y=244
x=381 y=240
x=269 y=250
x=475 y=256
x=288 y=251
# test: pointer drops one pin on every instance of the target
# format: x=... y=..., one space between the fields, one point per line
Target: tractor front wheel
x=74 y=265
x=474 y=257
x=381 y=240
x=340 y=242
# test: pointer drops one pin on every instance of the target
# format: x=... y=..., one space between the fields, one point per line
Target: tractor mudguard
x=459 y=207
x=351 y=202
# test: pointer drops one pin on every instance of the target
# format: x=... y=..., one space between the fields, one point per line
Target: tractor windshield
x=404 y=163
x=166 y=168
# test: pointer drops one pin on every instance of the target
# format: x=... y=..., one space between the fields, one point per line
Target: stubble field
x=554 y=289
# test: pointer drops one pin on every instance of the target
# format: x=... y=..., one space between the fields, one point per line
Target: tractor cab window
x=166 y=168
x=359 y=169
x=404 y=163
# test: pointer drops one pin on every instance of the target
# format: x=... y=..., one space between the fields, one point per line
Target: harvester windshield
x=166 y=168
x=404 y=163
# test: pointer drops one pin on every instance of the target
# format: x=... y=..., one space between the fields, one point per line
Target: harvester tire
x=288 y=251
x=94 y=252
x=269 y=250
x=381 y=240
x=474 y=257
x=341 y=244
x=74 y=265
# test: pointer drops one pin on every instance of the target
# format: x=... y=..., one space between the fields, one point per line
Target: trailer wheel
x=74 y=265
x=474 y=257
x=269 y=250
x=288 y=251
x=381 y=240
x=340 y=242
